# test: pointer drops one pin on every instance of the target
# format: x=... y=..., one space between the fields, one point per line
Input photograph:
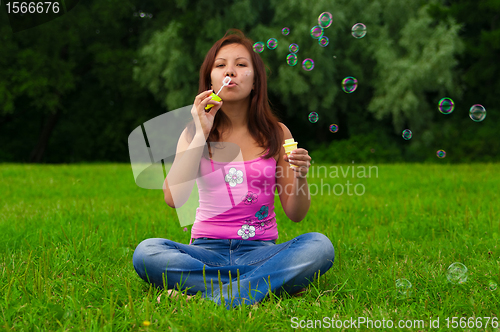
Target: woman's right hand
x=203 y=119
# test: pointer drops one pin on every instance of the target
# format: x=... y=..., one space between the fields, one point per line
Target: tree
x=85 y=81
x=73 y=76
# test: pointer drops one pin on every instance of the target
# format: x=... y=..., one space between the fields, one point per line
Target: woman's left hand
x=299 y=157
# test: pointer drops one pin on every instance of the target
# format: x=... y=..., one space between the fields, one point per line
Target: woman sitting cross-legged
x=235 y=229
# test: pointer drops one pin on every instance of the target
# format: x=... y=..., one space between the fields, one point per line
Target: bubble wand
x=215 y=96
x=225 y=82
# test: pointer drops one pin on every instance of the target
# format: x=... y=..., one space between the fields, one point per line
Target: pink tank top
x=236 y=200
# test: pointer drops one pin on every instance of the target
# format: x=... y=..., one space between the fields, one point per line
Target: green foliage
x=79 y=65
x=107 y=76
x=359 y=149
x=420 y=59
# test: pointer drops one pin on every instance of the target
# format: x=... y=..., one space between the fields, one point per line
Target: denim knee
x=140 y=253
x=322 y=248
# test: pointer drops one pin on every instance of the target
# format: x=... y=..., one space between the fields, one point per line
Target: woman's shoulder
x=286 y=135
x=286 y=132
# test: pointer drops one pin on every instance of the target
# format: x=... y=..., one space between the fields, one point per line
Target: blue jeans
x=289 y=266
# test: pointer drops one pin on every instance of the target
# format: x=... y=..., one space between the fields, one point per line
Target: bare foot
x=172 y=293
x=298 y=293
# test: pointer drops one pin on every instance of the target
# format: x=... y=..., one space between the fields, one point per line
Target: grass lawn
x=68 y=232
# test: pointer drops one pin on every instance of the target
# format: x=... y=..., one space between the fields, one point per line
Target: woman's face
x=234 y=61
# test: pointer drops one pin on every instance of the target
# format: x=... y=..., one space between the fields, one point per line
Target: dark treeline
x=72 y=90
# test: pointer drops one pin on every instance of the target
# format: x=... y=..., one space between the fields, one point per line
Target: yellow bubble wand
x=215 y=96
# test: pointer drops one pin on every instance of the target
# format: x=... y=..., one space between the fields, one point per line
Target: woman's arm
x=181 y=176
x=292 y=184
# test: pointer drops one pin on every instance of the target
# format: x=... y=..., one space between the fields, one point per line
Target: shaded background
x=73 y=89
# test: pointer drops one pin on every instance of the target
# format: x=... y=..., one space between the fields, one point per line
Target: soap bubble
x=308 y=64
x=446 y=105
x=477 y=113
x=407 y=134
x=293 y=48
x=285 y=31
x=272 y=43
x=358 y=30
x=334 y=128
x=441 y=154
x=457 y=273
x=403 y=286
x=325 y=20
x=492 y=286
x=349 y=84
x=258 y=47
x=313 y=117
x=316 y=32
x=324 y=41
x=291 y=59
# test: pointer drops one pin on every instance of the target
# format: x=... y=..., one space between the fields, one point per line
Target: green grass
x=68 y=232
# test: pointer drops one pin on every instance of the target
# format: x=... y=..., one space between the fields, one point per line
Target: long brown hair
x=262 y=122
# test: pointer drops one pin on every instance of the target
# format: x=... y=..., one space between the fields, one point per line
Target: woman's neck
x=237 y=113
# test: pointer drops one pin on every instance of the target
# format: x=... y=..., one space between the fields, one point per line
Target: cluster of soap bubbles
x=477 y=112
x=317 y=32
x=446 y=106
x=349 y=84
x=325 y=19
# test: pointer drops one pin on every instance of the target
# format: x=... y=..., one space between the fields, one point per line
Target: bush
x=372 y=147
